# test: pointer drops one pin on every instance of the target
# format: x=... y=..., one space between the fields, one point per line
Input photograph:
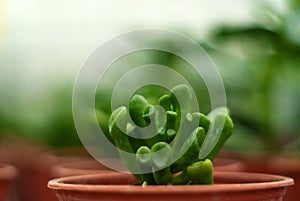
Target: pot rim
x=264 y=181
x=8 y=172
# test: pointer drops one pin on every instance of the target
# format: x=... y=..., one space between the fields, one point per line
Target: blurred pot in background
x=46 y=161
x=8 y=175
x=35 y=162
x=22 y=154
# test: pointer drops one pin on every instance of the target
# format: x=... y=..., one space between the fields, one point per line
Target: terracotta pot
x=82 y=167
x=34 y=162
x=256 y=162
x=44 y=164
x=288 y=165
x=8 y=174
x=121 y=187
x=22 y=154
x=228 y=164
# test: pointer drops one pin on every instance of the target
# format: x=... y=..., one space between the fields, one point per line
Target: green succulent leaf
x=201 y=172
x=137 y=106
x=191 y=138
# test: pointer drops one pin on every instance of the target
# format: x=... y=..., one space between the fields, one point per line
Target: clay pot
x=121 y=187
x=288 y=165
x=22 y=154
x=82 y=167
x=228 y=164
x=256 y=162
x=8 y=174
x=44 y=164
x=34 y=163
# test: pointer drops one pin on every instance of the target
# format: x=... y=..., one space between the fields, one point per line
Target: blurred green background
x=255 y=45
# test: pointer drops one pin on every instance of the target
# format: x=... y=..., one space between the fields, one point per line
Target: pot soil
x=8 y=174
x=230 y=186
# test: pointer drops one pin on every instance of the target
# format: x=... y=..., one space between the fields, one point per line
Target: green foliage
x=172 y=155
x=259 y=64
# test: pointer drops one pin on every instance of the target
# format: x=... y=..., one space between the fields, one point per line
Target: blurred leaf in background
x=259 y=63
x=46 y=118
x=260 y=66
x=61 y=130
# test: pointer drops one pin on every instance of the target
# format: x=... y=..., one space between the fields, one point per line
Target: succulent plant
x=174 y=154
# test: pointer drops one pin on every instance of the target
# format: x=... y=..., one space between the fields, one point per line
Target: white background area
x=44 y=42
